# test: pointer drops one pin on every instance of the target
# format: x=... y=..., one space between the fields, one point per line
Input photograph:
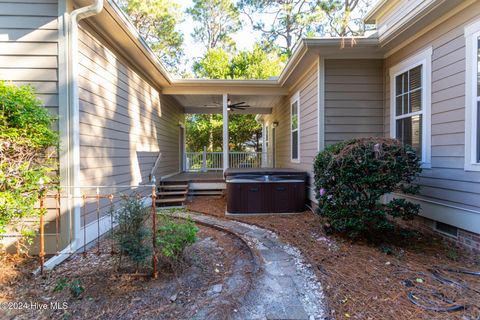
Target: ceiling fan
x=233 y=106
x=237 y=106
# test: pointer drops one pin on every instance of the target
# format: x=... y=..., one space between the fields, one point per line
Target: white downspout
x=75 y=16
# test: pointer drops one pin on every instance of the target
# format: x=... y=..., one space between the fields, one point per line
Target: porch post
x=225 y=131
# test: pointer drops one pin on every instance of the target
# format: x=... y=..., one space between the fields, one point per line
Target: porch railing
x=213 y=161
x=245 y=159
x=203 y=161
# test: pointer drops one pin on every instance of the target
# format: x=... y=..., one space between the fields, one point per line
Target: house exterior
x=121 y=114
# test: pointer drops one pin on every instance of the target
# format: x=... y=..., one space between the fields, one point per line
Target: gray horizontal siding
x=308 y=91
x=353 y=99
x=29 y=47
x=124 y=121
x=29 y=56
x=447 y=181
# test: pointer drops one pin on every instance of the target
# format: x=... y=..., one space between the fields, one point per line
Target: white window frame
x=423 y=58
x=267 y=138
x=295 y=98
x=472 y=34
x=265 y=143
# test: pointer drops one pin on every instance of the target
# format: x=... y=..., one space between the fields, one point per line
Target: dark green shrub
x=27 y=154
x=351 y=176
x=173 y=236
x=133 y=236
x=75 y=286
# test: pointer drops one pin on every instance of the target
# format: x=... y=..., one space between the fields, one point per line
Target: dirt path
x=363 y=281
x=283 y=286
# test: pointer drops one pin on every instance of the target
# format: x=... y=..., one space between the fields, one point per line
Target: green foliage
x=215 y=64
x=255 y=64
x=351 y=176
x=260 y=63
x=27 y=154
x=23 y=119
x=75 y=286
x=206 y=130
x=218 y=20
x=157 y=22
x=61 y=284
x=173 y=236
x=244 y=130
x=133 y=236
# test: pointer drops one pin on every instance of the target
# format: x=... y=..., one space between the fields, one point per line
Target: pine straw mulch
x=371 y=282
x=118 y=294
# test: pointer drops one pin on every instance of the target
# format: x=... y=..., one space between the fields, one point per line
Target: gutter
x=74 y=128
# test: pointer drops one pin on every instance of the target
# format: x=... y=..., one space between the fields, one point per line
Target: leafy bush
x=351 y=176
x=133 y=236
x=27 y=153
x=174 y=236
x=75 y=286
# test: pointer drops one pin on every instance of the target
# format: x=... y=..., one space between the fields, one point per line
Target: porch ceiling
x=212 y=103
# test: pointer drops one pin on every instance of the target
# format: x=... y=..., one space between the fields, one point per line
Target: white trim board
x=207 y=185
x=321 y=104
x=472 y=34
x=293 y=99
x=462 y=218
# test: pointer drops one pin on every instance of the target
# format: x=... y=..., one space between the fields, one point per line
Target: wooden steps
x=172 y=193
x=171 y=200
x=208 y=192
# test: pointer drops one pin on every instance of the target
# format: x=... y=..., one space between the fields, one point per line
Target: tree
x=156 y=21
x=215 y=64
x=255 y=64
x=244 y=130
x=204 y=130
x=345 y=17
x=217 y=19
x=290 y=20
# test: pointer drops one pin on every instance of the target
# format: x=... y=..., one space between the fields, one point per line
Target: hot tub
x=265 y=190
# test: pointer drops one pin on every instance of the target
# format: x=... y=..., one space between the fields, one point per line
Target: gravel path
x=284 y=286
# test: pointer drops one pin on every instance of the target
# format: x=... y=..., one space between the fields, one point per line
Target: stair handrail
x=155 y=167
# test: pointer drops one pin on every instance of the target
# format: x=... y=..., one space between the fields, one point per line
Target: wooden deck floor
x=196 y=177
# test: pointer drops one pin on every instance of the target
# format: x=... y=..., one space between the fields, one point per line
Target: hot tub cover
x=231 y=172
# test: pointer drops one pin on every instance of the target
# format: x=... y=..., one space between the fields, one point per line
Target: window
x=295 y=127
x=472 y=97
x=410 y=101
x=408 y=108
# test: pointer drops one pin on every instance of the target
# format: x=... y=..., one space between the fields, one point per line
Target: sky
x=245 y=38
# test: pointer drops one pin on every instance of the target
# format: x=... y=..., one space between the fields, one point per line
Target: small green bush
x=173 y=236
x=350 y=178
x=75 y=286
x=133 y=236
x=28 y=150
